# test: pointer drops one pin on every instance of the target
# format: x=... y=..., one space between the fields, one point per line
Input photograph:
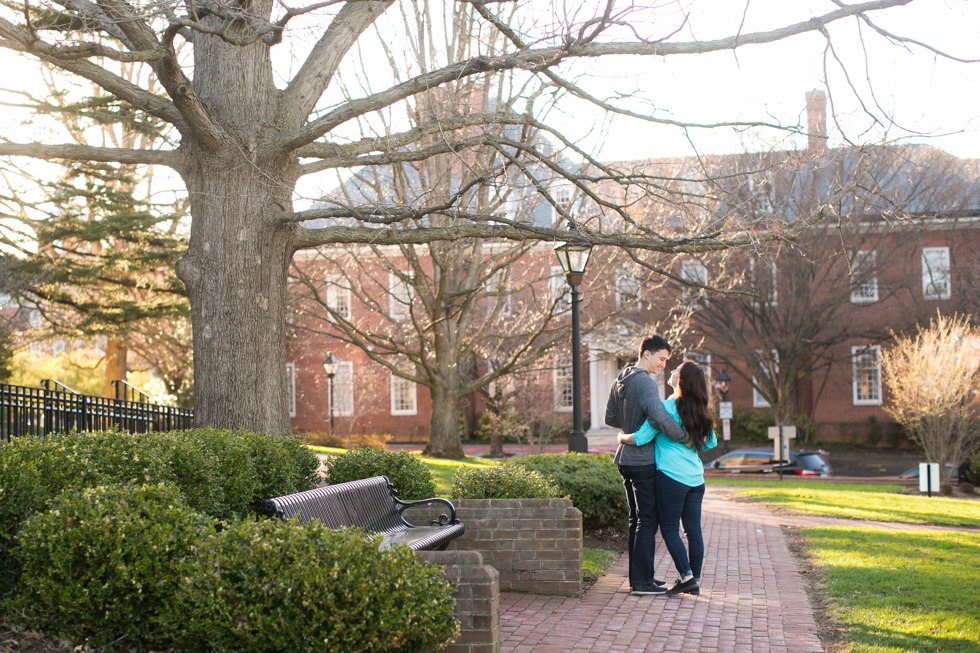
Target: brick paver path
x=752 y=600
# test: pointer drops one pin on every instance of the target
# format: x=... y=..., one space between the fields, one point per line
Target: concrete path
x=752 y=600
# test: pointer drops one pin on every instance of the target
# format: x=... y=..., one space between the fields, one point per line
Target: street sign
x=725 y=409
x=726 y=429
x=929 y=477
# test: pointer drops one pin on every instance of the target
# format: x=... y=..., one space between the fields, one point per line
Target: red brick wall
x=477 y=600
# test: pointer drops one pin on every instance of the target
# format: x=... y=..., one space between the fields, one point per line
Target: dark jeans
x=678 y=503
x=640 y=482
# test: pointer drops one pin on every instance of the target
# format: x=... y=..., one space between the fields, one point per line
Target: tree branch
x=71 y=152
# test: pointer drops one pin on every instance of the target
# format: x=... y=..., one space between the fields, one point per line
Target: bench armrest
x=443 y=519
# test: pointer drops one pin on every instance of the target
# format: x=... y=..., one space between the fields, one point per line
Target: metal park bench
x=370 y=504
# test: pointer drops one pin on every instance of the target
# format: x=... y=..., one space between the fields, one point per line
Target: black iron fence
x=39 y=411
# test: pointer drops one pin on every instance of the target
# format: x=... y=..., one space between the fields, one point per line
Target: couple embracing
x=658 y=459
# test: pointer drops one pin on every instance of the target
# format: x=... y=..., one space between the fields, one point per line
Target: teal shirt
x=676 y=460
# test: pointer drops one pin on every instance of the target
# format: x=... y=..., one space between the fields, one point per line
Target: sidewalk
x=752 y=600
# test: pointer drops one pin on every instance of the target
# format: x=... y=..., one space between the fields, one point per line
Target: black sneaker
x=659 y=583
x=687 y=587
x=649 y=589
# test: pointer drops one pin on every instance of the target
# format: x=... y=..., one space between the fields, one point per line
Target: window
x=342 y=392
x=758 y=399
x=763 y=277
x=291 y=387
x=864 y=277
x=58 y=347
x=497 y=288
x=560 y=292
x=338 y=298
x=694 y=272
x=704 y=360
x=627 y=290
x=34 y=319
x=563 y=383
x=403 y=396
x=399 y=297
x=935 y=273
x=867 y=375
x=562 y=194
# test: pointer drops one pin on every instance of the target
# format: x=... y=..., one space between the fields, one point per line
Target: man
x=633 y=398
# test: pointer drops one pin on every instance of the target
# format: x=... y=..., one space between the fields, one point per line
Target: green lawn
x=897 y=591
x=443 y=469
x=872 y=502
x=596 y=561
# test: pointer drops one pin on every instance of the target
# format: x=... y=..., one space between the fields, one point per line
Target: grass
x=901 y=591
x=871 y=502
x=596 y=561
x=442 y=469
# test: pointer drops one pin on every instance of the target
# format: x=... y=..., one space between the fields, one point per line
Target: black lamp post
x=724 y=382
x=330 y=365
x=574 y=256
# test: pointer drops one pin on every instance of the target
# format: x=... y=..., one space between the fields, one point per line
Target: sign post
x=781 y=435
x=725 y=413
x=929 y=477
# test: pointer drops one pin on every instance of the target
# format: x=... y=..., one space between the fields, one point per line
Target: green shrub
x=99 y=564
x=404 y=470
x=33 y=471
x=751 y=425
x=348 y=441
x=502 y=482
x=220 y=473
x=285 y=587
x=591 y=480
x=973 y=473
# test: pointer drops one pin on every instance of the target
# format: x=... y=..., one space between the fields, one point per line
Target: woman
x=680 y=474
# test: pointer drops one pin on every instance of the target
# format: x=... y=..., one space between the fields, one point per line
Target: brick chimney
x=816 y=121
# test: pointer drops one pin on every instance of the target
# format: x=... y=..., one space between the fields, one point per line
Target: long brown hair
x=694 y=404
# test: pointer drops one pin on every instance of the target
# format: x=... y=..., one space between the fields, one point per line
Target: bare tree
x=249 y=130
x=933 y=378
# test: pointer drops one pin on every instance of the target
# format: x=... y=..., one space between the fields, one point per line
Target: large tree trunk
x=238 y=254
x=444 y=439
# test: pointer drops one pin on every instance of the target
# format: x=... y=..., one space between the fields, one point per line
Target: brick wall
x=535 y=544
x=477 y=599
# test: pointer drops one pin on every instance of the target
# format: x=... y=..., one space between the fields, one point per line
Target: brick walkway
x=752 y=600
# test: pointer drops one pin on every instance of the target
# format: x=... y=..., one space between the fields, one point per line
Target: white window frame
x=773 y=294
x=399 y=298
x=563 y=195
x=399 y=385
x=291 y=387
x=343 y=391
x=864 y=266
x=935 y=272
x=856 y=371
x=704 y=360
x=758 y=399
x=558 y=284
x=563 y=382
x=627 y=290
x=499 y=284
x=337 y=298
x=694 y=271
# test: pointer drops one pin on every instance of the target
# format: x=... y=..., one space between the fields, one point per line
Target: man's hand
x=626 y=438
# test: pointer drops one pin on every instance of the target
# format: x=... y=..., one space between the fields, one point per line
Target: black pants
x=640 y=483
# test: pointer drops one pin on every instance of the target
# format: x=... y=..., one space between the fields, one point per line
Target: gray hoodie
x=635 y=397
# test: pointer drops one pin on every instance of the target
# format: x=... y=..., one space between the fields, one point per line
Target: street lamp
x=330 y=365
x=574 y=256
x=723 y=382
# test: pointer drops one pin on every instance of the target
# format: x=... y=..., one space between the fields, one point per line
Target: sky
x=931 y=99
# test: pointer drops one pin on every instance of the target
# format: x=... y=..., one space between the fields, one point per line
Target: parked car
x=760 y=461
x=954 y=473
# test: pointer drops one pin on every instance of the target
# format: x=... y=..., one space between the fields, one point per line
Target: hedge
x=502 y=482
x=409 y=475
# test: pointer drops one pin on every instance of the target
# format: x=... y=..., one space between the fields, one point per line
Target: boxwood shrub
x=590 y=480
x=221 y=473
x=410 y=477
x=99 y=565
x=284 y=587
x=502 y=482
